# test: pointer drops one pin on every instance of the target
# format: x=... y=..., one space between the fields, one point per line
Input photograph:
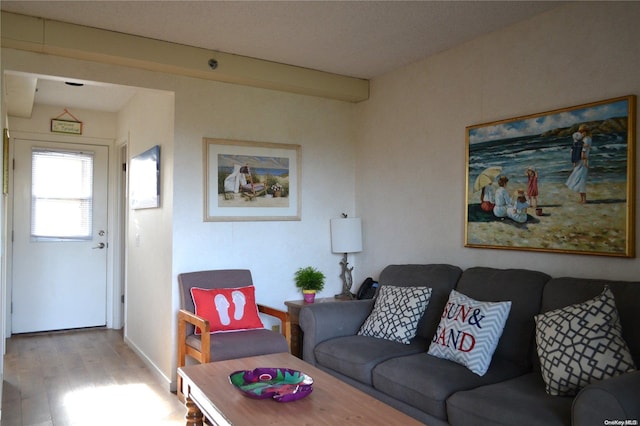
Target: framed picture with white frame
x=251 y=181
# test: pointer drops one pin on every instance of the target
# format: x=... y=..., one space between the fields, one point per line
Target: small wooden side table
x=293 y=307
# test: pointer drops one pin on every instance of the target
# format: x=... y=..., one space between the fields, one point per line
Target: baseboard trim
x=162 y=379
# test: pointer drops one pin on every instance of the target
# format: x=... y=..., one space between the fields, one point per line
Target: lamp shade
x=346 y=235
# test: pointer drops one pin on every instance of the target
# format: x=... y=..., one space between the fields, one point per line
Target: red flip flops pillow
x=227 y=309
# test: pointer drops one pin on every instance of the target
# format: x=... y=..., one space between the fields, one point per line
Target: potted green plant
x=310 y=281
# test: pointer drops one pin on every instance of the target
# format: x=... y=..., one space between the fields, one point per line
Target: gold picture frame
x=573 y=170
x=251 y=181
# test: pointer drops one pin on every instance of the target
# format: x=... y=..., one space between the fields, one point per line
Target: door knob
x=99 y=246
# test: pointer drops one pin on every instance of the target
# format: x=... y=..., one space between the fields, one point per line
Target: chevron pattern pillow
x=580 y=344
x=469 y=331
x=396 y=313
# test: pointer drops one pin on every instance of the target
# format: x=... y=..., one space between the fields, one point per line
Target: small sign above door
x=73 y=127
x=66 y=126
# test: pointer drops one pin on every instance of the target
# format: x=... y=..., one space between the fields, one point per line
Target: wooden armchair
x=207 y=347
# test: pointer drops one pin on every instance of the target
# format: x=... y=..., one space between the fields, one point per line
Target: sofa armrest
x=611 y=399
x=324 y=321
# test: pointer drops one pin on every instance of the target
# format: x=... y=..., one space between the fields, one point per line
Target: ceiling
x=362 y=39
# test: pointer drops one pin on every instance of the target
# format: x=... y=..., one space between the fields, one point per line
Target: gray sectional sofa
x=437 y=391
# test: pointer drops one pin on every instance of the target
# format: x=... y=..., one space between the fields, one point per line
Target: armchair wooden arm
x=283 y=316
x=203 y=355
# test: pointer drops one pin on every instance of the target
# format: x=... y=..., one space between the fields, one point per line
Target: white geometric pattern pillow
x=469 y=331
x=580 y=344
x=396 y=313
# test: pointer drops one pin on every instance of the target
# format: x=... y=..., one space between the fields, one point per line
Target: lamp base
x=345 y=296
x=347 y=280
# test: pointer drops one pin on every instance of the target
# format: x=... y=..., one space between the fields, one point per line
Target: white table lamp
x=346 y=237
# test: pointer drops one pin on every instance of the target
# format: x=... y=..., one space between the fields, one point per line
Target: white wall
x=97 y=125
x=148 y=120
x=411 y=142
x=272 y=250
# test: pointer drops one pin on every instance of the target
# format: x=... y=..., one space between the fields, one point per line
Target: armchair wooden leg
x=179 y=389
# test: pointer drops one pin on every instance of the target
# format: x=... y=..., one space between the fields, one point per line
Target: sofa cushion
x=518 y=401
x=425 y=382
x=580 y=344
x=227 y=309
x=356 y=356
x=524 y=289
x=396 y=313
x=240 y=344
x=469 y=331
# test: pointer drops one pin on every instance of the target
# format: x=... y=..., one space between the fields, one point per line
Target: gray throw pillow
x=396 y=313
x=580 y=344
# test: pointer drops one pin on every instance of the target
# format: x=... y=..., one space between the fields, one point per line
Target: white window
x=61 y=195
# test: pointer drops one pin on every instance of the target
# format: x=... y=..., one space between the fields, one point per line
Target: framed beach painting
x=251 y=181
x=559 y=181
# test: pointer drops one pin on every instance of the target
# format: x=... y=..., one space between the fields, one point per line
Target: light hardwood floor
x=81 y=378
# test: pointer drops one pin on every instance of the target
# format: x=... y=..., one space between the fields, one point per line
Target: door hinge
x=122 y=298
x=124 y=167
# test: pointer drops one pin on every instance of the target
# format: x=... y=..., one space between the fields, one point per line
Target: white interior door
x=59 y=236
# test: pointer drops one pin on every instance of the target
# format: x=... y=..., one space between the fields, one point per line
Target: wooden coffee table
x=208 y=393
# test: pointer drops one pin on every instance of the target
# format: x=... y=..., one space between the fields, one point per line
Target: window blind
x=61 y=195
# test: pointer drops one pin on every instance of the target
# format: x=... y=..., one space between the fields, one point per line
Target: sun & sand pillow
x=469 y=331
